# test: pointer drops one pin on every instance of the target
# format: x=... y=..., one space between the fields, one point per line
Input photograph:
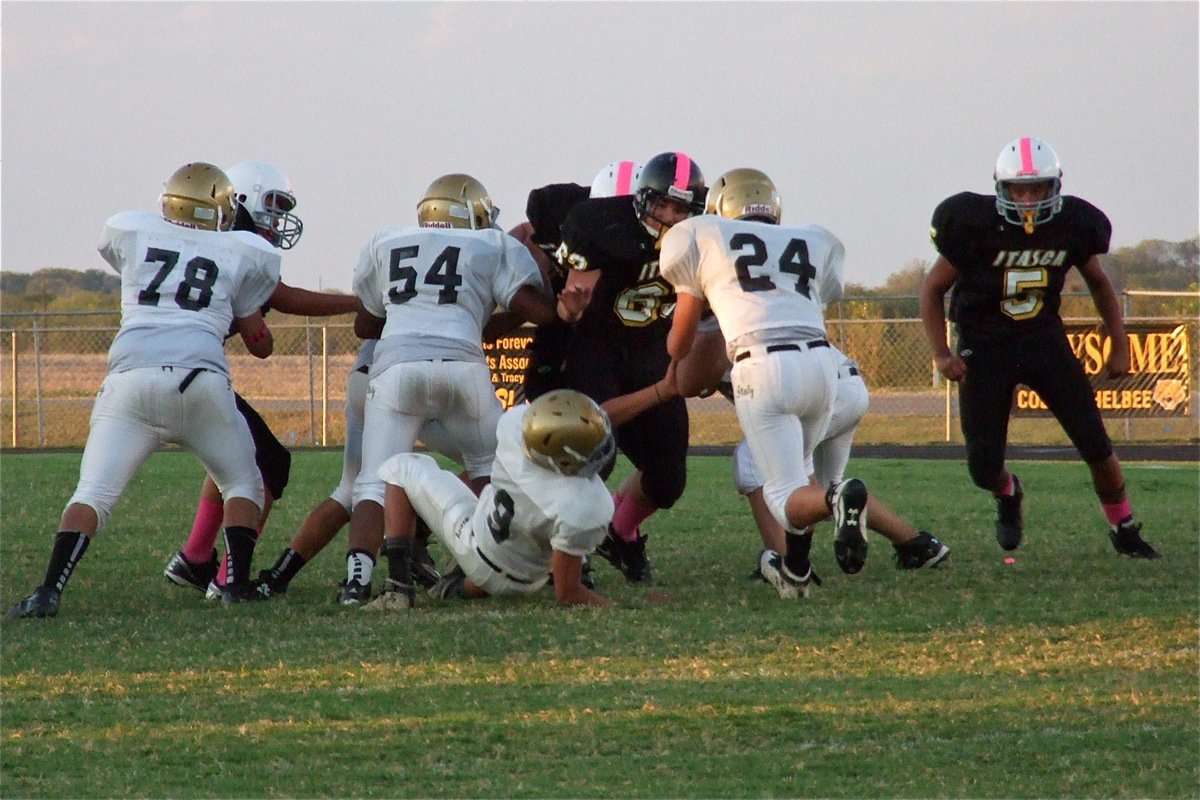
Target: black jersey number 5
x=794 y=261
x=443 y=272
x=199 y=276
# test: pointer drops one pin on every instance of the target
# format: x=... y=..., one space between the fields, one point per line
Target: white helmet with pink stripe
x=1028 y=160
x=617 y=179
x=670 y=177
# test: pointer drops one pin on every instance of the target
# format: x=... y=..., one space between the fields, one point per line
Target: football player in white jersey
x=265 y=205
x=545 y=509
x=427 y=291
x=185 y=277
x=768 y=286
x=707 y=370
x=332 y=513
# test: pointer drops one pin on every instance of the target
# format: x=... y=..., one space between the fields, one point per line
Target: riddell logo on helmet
x=757 y=208
x=436 y=224
x=679 y=194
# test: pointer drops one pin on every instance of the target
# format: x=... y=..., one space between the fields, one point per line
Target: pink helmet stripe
x=1027 y=167
x=624 y=178
x=683 y=171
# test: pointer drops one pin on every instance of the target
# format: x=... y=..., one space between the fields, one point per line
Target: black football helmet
x=670 y=176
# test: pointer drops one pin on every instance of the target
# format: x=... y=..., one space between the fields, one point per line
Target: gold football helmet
x=456 y=201
x=566 y=432
x=745 y=194
x=199 y=195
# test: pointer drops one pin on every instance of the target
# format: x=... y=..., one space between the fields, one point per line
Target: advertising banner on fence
x=1159 y=379
x=507 y=359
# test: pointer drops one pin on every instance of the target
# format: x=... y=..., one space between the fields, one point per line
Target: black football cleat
x=42 y=603
x=848 y=501
x=182 y=572
x=611 y=549
x=923 y=551
x=248 y=592
x=451 y=586
x=635 y=565
x=1008 y=517
x=353 y=593
x=1127 y=540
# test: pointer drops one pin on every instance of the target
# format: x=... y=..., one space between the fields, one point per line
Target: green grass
x=1069 y=673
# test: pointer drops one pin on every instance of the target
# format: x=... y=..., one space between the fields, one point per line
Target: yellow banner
x=1159 y=379
x=507 y=359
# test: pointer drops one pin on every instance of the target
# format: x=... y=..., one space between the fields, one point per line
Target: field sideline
x=1069 y=673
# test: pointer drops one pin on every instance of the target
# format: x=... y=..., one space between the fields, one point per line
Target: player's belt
x=779 y=348
x=499 y=571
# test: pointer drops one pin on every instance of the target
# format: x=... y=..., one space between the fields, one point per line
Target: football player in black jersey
x=545 y=211
x=1004 y=259
x=611 y=244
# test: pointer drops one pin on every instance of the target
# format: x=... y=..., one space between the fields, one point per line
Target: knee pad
x=247 y=489
x=343 y=495
x=402 y=468
x=746 y=477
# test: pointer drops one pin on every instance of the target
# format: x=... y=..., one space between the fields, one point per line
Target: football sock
x=239 y=549
x=206 y=526
x=283 y=570
x=399 y=552
x=223 y=569
x=69 y=547
x=423 y=531
x=629 y=516
x=798 y=547
x=1118 y=512
x=359 y=566
x=1010 y=488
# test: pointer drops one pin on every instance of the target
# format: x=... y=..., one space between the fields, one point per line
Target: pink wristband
x=258 y=336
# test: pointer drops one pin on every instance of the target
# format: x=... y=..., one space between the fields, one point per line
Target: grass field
x=1069 y=673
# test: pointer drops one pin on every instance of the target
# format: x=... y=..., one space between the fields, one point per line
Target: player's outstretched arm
x=625 y=407
x=305 y=303
x=568 y=586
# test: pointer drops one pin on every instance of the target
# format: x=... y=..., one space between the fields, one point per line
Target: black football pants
x=1045 y=364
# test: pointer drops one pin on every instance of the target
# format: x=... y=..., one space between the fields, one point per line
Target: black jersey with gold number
x=605 y=233
x=546 y=208
x=1010 y=282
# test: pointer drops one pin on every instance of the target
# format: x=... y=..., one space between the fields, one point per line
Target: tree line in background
x=1151 y=265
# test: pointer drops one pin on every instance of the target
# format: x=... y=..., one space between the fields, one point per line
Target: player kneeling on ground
x=545 y=509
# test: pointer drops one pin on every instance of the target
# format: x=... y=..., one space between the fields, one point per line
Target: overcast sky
x=865 y=114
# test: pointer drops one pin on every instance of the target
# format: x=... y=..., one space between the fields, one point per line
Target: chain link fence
x=55 y=362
